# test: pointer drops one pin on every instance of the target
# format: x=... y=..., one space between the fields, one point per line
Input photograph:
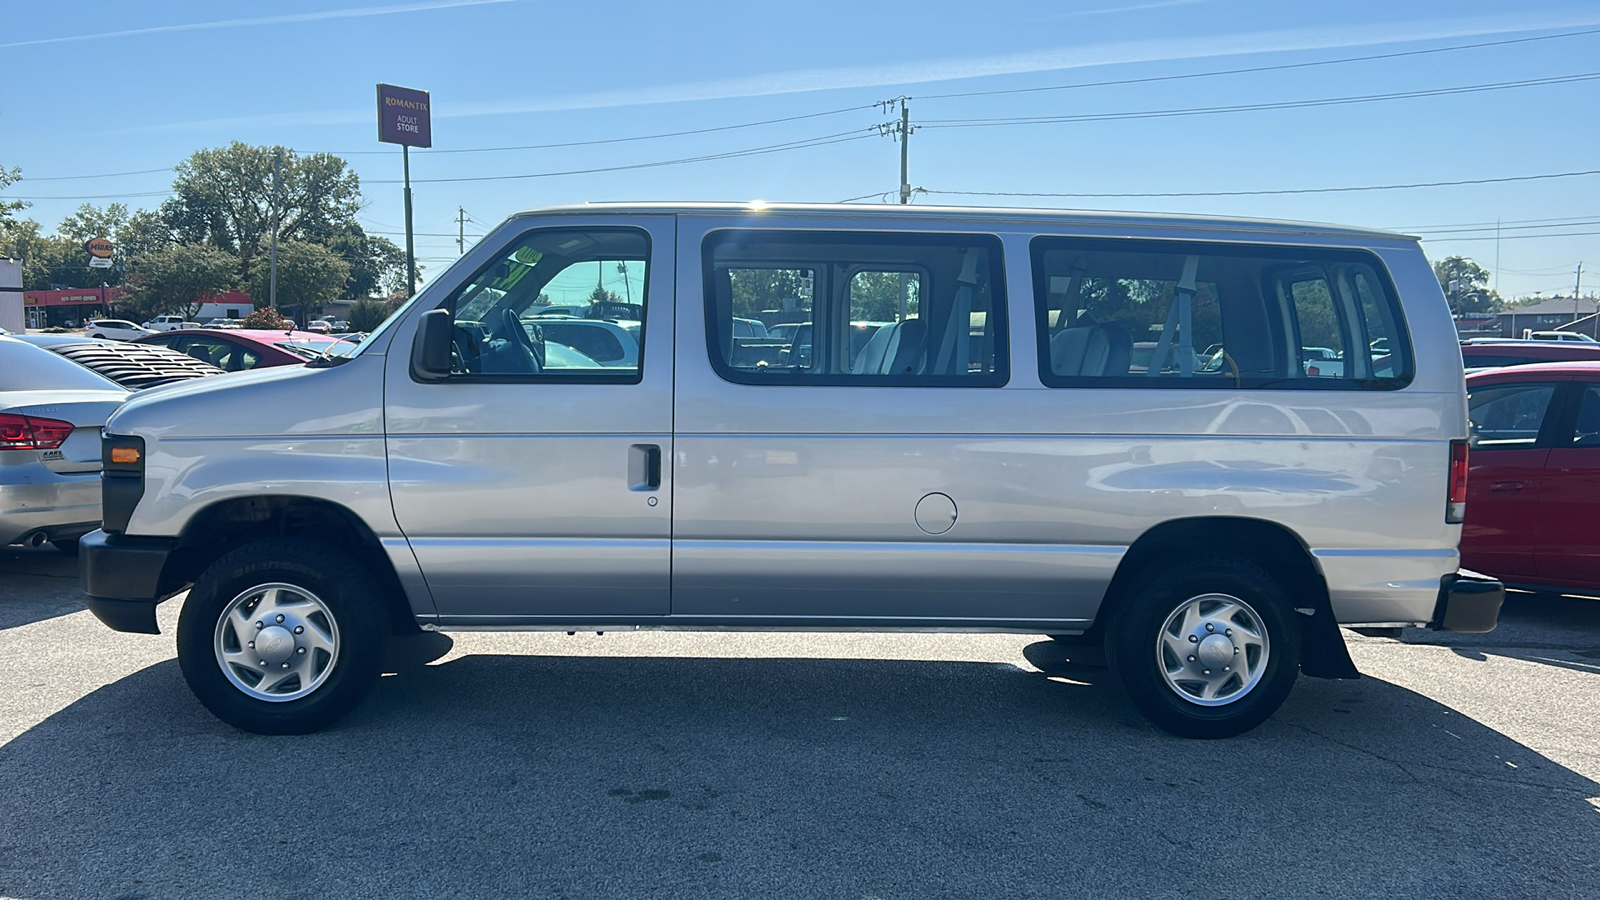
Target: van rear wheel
x=282 y=636
x=1207 y=648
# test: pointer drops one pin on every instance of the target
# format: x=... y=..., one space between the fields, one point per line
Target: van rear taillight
x=1456 y=510
x=32 y=433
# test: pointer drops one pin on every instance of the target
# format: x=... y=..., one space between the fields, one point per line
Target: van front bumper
x=122 y=578
x=1468 y=602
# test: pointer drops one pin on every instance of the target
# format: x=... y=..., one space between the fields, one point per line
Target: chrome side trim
x=753 y=623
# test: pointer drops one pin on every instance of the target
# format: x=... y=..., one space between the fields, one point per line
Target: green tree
x=757 y=289
x=92 y=222
x=1466 y=284
x=377 y=266
x=309 y=275
x=226 y=198
x=367 y=314
x=178 y=278
x=9 y=208
x=18 y=239
x=143 y=233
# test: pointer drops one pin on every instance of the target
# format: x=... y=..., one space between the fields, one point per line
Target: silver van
x=1206 y=442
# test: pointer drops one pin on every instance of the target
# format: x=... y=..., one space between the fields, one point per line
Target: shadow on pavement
x=36 y=583
x=627 y=776
x=1551 y=629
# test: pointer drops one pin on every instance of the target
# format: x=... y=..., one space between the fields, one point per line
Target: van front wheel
x=1208 y=648
x=282 y=636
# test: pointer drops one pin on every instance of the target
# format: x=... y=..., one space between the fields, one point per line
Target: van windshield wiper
x=328 y=358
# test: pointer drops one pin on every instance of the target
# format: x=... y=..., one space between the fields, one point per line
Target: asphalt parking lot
x=738 y=765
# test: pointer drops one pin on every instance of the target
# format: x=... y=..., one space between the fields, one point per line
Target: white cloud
x=1052 y=60
x=356 y=13
x=907 y=74
x=1111 y=10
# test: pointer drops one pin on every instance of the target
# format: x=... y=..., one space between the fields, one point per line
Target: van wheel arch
x=226 y=525
x=1266 y=544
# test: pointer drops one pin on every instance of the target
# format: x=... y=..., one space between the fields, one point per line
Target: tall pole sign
x=404 y=118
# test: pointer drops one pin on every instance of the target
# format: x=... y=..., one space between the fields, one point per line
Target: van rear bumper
x=1468 y=602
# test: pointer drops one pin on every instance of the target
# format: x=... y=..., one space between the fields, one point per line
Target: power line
x=1326 y=190
x=623 y=140
x=883 y=197
x=1255 y=107
x=80 y=177
x=825 y=140
x=1492 y=231
x=1507 y=223
x=842 y=110
x=1255 y=69
x=1559 y=270
x=91 y=196
x=443 y=234
x=1510 y=237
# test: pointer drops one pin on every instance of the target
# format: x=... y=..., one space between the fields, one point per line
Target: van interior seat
x=1091 y=350
x=898 y=349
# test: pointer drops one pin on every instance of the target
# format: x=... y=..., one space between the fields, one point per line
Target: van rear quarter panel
x=1358 y=476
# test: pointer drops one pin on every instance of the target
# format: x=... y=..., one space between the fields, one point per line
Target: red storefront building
x=69 y=307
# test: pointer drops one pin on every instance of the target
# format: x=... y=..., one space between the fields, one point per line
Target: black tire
x=1134 y=646
x=351 y=600
x=67 y=546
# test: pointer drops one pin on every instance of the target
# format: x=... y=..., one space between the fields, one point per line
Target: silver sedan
x=51 y=413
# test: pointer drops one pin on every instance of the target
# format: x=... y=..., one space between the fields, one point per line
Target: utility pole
x=272 y=277
x=461 y=230
x=905 y=151
x=1577 y=285
x=900 y=131
x=411 y=252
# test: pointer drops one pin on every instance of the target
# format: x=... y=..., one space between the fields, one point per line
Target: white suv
x=115 y=329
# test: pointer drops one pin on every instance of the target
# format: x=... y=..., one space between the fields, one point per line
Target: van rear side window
x=1165 y=314
x=848 y=308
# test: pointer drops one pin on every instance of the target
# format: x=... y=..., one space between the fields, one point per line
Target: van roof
x=993 y=214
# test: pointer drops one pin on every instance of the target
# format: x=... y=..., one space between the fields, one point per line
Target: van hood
x=276 y=401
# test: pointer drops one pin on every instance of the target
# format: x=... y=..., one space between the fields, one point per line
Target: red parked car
x=1480 y=354
x=237 y=349
x=1533 y=487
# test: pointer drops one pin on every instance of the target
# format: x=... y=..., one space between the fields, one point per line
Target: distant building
x=11 y=318
x=1552 y=315
x=68 y=307
x=1471 y=325
x=226 y=305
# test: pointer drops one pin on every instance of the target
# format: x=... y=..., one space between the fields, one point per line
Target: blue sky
x=101 y=88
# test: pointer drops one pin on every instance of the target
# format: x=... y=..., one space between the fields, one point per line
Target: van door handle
x=652 y=465
x=644 y=467
x=1506 y=487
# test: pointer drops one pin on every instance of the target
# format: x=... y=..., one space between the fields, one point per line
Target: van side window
x=851 y=308
x=1119 y=313
x=555 y=305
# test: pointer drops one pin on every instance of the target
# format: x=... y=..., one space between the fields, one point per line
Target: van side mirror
x=430 y=349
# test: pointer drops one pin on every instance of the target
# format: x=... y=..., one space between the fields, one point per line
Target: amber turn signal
x=125 y=455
